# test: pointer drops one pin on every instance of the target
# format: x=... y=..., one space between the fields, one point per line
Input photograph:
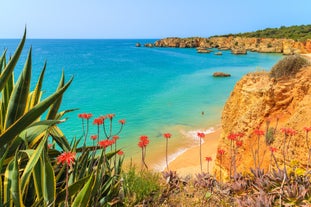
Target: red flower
x=307 y=129
x=94 y=137
x=201 y=135
x=232 y=136
x=144 y=141
x=272 y=149
x=143 y=138
x=120 y=152
x=239 y=143
x=259 y=132
x=105 y=143
x=221 y=151
x=66 y=158
x=85 y=116
x=167 y=135
x=288 y=131
x=98 y=121
x=122 y=121
x=141 y=144
x=110 y=116
x=115 y=137
x=208 y=159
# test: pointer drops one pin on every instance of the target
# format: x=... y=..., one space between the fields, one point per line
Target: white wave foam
x=193 y=134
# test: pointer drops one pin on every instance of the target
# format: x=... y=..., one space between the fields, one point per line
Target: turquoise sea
x=156 y=90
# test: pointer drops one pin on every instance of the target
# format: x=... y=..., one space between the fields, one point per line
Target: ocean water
x=156 y=90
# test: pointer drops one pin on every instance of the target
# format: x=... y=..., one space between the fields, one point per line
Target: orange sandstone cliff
x=240 y=45
x=258 y=99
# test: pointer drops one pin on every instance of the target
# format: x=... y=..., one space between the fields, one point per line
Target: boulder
x=221 y=74
x=137 y=44
x=218 y=53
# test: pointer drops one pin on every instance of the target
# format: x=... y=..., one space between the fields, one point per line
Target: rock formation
x=221 y=74
x=261 y=102
x=203 y=50
x=240 y=45
x=148 y=45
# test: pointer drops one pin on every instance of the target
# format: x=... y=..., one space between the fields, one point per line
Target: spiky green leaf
x=18 y=99
x=11 y=64
x=32 y=162
x=2 y=60
x=37 y=90
x=30 y=116
x=72 y=189
x=84 y=195
x=55 y=107
x=49 y=182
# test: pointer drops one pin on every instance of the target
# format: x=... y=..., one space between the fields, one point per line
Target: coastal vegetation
x=39 y=167
x=288 y=66
x=297 y=32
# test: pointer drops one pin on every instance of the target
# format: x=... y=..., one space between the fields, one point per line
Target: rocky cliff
x=240 y=45
x=258 y=100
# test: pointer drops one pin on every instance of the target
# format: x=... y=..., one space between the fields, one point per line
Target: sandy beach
x=188 y=163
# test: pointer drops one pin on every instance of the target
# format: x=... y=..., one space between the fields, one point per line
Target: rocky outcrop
x=258 y=100
x=221 y=74
x=240 y=45
x=148 y=45
x=239 y=51
x=203 y=50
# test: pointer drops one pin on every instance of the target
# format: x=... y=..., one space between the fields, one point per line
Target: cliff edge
x=259 y=101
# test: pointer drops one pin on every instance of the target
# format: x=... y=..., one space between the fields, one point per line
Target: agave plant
x=29 y=173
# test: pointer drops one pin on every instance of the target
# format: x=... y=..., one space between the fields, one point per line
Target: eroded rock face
x=240 y=45
x=257 y=100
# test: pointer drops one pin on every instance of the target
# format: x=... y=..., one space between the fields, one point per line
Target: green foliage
x=29 y=172
x=288 y=66
x=270 y=136
x=140 y=185
x=298 y=33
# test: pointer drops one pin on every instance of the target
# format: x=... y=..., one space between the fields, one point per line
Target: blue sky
x=146 y=18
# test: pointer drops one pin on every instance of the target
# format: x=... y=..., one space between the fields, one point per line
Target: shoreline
x=186 y=161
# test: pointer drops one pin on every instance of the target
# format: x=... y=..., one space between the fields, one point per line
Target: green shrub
x=139 y=186
x=288 y=66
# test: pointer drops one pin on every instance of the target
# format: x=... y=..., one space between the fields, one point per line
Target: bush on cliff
x=288 y=66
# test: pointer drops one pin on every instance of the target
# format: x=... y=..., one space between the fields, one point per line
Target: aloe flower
x=256 y=154
x=66 y=158
x=143 y=142
x=201 y=135
x=166 y=136
x=220 y=152
x=208 y=159
x=85 y=116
